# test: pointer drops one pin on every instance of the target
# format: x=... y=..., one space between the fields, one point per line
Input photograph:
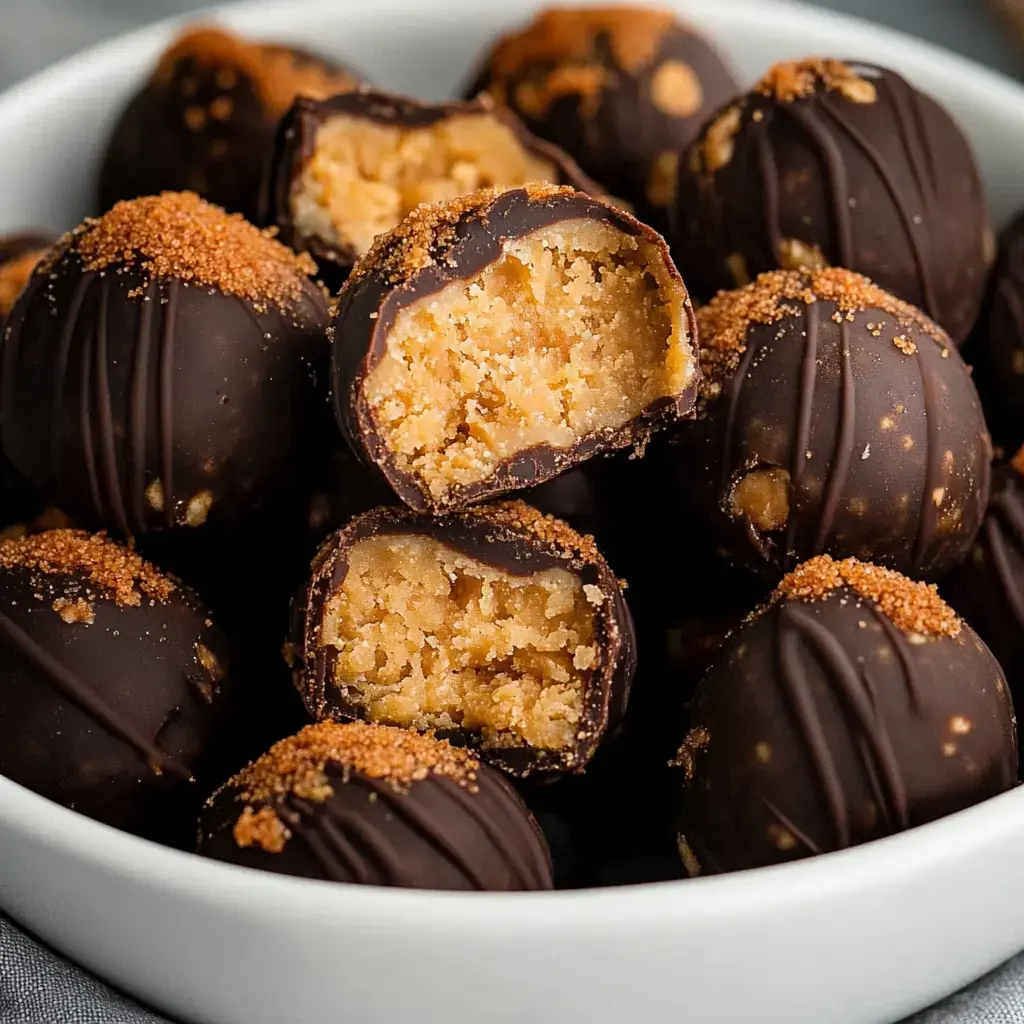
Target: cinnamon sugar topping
x=913 y=608
x=123 y=574
x=517 y=515
x=277 y=74
x=296 y=766
x=180 y=236
x=796 y=80
x=726 y=320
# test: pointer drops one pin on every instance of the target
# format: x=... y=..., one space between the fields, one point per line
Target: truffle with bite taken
x=496 y=625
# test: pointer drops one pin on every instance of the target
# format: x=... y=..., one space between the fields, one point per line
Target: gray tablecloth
x=39 y=987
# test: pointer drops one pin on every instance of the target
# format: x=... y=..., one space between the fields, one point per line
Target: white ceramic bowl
x=859 y=937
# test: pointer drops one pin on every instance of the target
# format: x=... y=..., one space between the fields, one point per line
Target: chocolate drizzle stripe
x=915 y=691
x=166 y=399
x=805 y=407
x=333 y=859
x=876 y=160
x=870 y=727
x=86 y=425
x=426 y=826
x=105 y=415
x=933 y=467
x=137 y=411
x=373 y=840
x=838 y=183
x=1000 y=556
x=60 y=373
x=16 y=640
x=734 y=387
x=790 y=641
x=770 y=177
x=787 y=824
x=843 y=457
x=526 y=872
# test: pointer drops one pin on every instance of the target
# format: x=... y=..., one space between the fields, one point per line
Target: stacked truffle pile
x=411 y=423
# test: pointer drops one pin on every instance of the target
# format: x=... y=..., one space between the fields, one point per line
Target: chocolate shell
x=205 y=120
x=493 y=341
x=853 y=706
x=113 y=682
x=621 y=89
x=368 y=158
x=376 y=806
x=164 y=369
x=496 y=626
x=832 y=164
x=834 y=419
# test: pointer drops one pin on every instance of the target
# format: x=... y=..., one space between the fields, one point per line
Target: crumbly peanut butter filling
x=364 y=177
x=429 y=638
x=574 y=331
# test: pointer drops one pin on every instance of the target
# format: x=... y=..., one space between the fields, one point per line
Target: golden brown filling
x=364 y=177
x=14 y=276
x=431 y=638
x=574 y=331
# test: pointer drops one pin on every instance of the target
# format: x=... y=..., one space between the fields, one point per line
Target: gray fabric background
x=38 y=987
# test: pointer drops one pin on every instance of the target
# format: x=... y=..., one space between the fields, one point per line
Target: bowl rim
x=871 y=866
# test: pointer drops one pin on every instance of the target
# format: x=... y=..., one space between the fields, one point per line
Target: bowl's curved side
x=870 y=934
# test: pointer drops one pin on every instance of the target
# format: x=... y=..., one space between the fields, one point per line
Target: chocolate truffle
x=987 y=587
x=205 y=120
x=377 y=806
x=494 y=340
x=113 y=680
x=159 y=368
x=832 y=164
x=854 y=705
x=834 y=419
x=349 y=168
x=996 y=348
x=621 y=89
x=496 y=625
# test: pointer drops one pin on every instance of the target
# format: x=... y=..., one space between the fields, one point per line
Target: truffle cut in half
x=497 y=625
x=490 y=342
x=349 y=168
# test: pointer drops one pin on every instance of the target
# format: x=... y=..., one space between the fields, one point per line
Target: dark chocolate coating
x=203 y=123
x=436 y=835
x=371 y=301
x=622 y=90
x=987 y=587
x=494 y=541
x=899 y=464
x=116 y=718
x=822 y=726
x=18 y=500
x=888 y=188
x=113 y=380
x=296 y=143
x=996 y=349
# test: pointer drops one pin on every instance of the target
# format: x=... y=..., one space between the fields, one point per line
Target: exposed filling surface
x=428 y=637
x=364 y=177
x=570 y=333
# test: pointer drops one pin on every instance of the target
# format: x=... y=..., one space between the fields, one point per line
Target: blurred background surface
x=38 y=32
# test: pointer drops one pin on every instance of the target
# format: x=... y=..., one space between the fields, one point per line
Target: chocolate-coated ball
x=378 y=806
x=853 y=706
x=205 y=120
x=845 y=165
x=160 y=369
x=621 y=89
x=113 y=682
x=834 y=419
